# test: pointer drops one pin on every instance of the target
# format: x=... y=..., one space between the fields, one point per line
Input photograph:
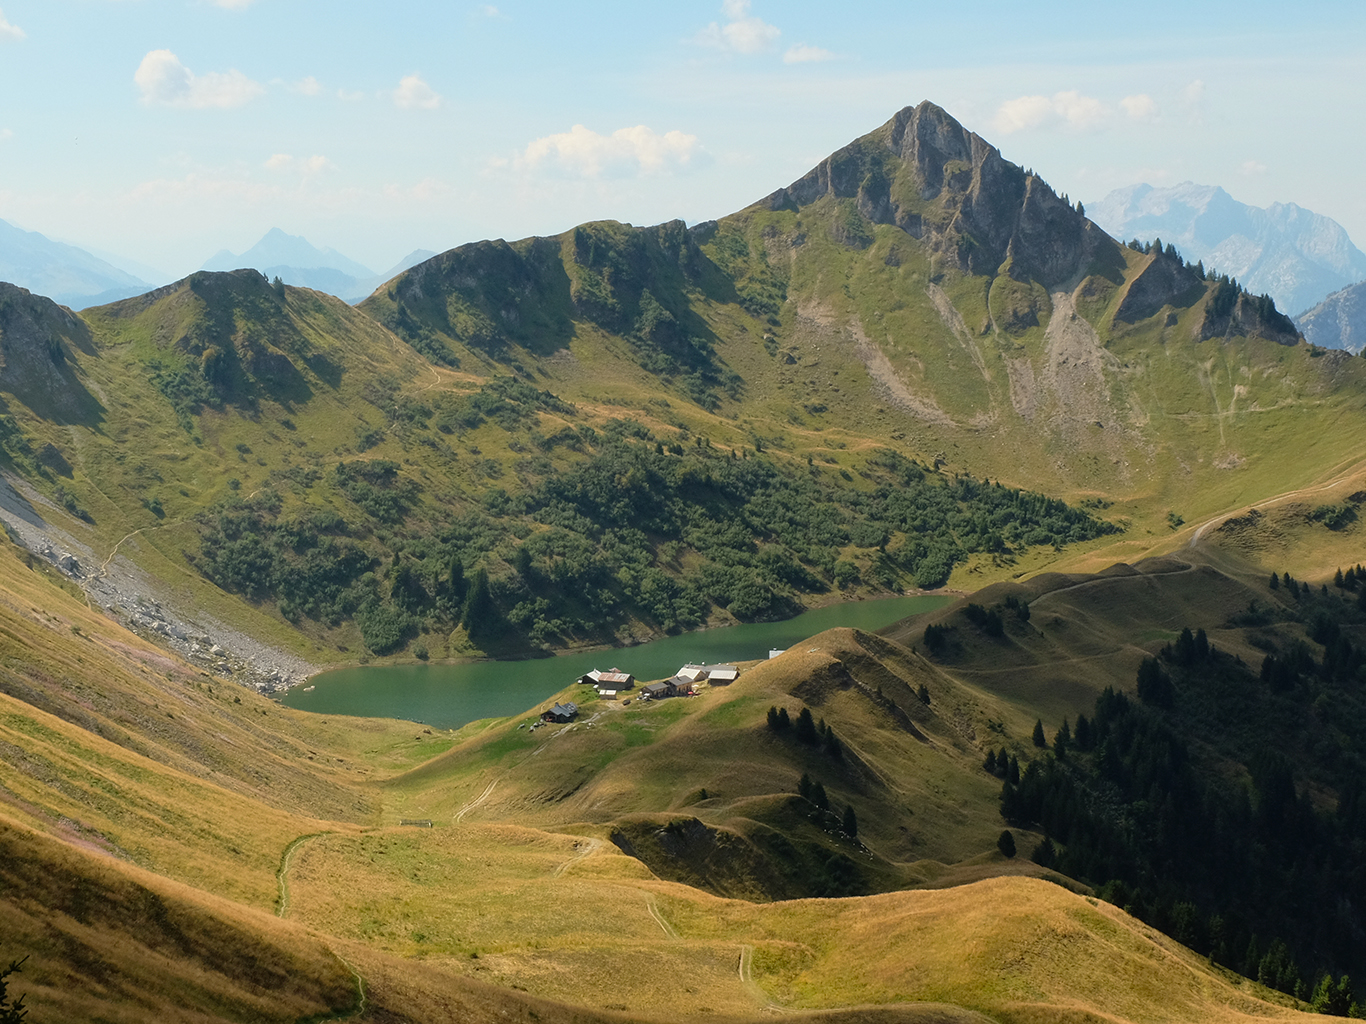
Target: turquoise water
x=448 y=696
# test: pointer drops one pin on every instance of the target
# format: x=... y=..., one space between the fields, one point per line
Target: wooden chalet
x=565 y=712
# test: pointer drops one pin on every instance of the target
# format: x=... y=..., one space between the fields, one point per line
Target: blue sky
x=165 y=130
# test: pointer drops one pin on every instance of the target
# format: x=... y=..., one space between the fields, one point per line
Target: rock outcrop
x=950 y=188
x=36 y=340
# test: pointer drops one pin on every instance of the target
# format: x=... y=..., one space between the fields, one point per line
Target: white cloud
x=6 y=134
x=165 y=81
x=1023 y=112
x=489 y=11
x=803 y=54
x=1252 y=168
x=310 y=86
x=1070 y=109
x=10 y=31
x=307 y=167
x=742 y=33
x=1141 y=107
x=234 y=5
x=625 y=153
x=415 y=94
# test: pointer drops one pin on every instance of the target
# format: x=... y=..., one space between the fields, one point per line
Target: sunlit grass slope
x=585 y=924
x=911 y=771
x=153 y=890
x=112 y=744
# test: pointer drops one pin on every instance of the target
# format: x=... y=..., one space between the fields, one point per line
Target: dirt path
x=476 y=801
x=282 y=872
x=1299 y=493
x=586 y=848
x=362 y=997
x=664 y=925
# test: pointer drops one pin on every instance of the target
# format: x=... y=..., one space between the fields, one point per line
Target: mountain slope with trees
x=868 y=380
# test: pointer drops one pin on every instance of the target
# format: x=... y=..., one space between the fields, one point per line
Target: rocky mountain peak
x=949 y=187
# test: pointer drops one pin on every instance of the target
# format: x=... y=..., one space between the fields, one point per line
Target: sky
x=163 y=131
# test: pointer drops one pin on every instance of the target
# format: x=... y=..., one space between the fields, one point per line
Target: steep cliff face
x=37 y=337
x=928 y=175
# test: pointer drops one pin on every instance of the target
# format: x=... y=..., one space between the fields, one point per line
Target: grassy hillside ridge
x=108 y=742
x=117 y=943
x=352 y=497
x=915 y=311
x=1246 y=725
x=910 y=770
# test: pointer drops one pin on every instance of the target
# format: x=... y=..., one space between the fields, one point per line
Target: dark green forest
x=1225 y=803
x=662 y=530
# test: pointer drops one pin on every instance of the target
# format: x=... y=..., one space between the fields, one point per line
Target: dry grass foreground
x=133 y=947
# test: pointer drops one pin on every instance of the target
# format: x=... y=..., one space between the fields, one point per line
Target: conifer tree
x=11 y=1011
x=850 y=822
x=806 y=727
x=1040 y=740
x=1062 y=739
x=1006 y=844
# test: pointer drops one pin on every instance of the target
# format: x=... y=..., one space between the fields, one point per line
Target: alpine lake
x=449 y=696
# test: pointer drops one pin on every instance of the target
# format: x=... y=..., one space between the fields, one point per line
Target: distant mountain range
x=1292 y=254
x=1339 y=321
x=296 y=261
x=69 y=275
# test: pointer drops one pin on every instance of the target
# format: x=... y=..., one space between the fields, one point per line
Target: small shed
x=565 y=712
x=774 y=652
x=720 y=675
x=655 y=691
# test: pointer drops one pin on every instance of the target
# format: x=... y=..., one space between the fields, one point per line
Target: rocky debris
x=129 y=595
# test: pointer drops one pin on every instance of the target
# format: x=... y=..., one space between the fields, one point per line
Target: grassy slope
x=549 y=905
x=112 y=743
